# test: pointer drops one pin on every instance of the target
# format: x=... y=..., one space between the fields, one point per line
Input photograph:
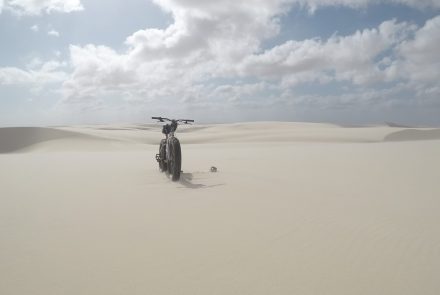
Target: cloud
x=12 y=75
x=203 y=42
x=37 y=7
x=225 y=28
x=351 y=58
x=53 y=33
x=313 y=5
x=418 y=58
x=97 y=68
x=180 y=7
x=35 y=28
x=212 y=55
x=37 y=74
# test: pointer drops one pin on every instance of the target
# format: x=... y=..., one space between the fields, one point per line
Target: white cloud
x=37 y=74
x=313 y=5
x=180 y=7
x=97 y=68
x=223 y=28
x=203 y=42
x=419 y=57
x=12 y=75
x=37 y=7
x=422 y=4
x=35 y=28
x=211 y=55
x=53 y=33
x=349 y=58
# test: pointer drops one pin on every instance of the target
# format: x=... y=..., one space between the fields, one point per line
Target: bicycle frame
x=168 y=138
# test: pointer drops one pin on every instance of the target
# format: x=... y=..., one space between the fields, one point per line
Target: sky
x=102 y=62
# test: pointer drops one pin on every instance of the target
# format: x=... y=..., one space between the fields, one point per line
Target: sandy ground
x=295 y=208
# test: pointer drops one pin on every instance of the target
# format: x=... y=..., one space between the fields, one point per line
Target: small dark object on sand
x=213 y=169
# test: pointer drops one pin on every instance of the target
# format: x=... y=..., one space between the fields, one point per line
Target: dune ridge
x=414 y=134
x=28 y=139
x=16 y=139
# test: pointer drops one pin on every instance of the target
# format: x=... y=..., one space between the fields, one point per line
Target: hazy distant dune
x=26 y=139
x=14 y=139
x=396 y=125
x=413 y=134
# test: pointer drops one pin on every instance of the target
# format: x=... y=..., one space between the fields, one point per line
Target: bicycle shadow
x=186 y=180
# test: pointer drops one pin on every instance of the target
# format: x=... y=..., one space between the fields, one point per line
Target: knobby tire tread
x=162 y=152
x=176 y=164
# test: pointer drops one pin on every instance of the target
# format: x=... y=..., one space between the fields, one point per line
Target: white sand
x=295 y=209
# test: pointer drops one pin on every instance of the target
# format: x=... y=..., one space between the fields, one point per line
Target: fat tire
x=162 y=153
x=175 y=163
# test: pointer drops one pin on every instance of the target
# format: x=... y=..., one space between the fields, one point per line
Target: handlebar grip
x=156 y=118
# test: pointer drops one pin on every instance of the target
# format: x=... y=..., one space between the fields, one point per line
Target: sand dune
x=20 y=139
x=28 y=139
x=295 y=208
x=414 y=134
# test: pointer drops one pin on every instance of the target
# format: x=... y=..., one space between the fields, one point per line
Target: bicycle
x=170 y=154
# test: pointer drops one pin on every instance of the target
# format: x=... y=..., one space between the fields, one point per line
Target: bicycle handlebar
x=160 y=119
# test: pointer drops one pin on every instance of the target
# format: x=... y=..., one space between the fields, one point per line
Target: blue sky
x=340 y=61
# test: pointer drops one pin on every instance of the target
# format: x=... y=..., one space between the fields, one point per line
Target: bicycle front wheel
x=175 y=163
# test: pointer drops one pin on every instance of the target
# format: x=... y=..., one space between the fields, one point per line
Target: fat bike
x=170 y=154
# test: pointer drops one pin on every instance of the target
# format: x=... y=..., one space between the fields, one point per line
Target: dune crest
x=16 y=139
x=111 y=137
x=413 y=134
